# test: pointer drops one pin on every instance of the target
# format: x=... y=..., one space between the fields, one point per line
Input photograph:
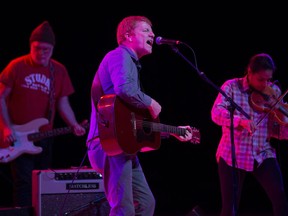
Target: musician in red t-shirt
x=32 y=88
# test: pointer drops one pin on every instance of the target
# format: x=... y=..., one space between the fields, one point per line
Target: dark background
x=220 y=37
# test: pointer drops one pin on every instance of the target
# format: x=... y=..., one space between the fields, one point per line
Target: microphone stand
x=231 y=109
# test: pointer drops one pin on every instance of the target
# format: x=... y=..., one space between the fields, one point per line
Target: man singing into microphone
x=126 y=188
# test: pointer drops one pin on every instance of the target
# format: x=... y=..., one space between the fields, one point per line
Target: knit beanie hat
x=43 y=33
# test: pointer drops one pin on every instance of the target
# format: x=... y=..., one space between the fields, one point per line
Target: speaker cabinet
x=71 y=192
x=16 y=211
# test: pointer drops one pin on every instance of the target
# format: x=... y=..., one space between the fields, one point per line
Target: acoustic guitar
x=123 y=128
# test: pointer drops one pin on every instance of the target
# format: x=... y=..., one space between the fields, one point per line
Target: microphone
x=160 y=40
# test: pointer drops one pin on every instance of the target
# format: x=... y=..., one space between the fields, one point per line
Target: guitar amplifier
x=71 y=192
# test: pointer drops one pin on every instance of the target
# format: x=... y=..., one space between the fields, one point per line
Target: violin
x=267 y=101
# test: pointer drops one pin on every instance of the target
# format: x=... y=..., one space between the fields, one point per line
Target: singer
x=126 y=188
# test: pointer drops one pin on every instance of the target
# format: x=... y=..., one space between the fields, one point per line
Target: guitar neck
x=46 y=134
x=158 y=127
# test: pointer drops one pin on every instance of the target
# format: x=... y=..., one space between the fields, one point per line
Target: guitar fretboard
x=158 y=127
x=45 y=134
x=33 y=137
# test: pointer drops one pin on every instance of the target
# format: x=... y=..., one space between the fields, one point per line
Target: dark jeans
x=268 y=175
x=21 y=170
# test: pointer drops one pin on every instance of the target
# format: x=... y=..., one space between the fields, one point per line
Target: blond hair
x=127 y=25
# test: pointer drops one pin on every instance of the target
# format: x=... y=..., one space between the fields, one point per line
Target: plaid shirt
x=248 y=148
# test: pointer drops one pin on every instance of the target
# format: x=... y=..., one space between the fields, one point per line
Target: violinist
x=254 y=154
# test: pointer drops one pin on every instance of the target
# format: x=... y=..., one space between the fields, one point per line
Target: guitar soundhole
x=142 y=136
x=147 y=128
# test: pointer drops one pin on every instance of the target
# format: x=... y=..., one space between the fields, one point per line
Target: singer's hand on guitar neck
x=187 y=136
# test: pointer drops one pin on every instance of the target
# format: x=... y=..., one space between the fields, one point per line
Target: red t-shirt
x=29 y=98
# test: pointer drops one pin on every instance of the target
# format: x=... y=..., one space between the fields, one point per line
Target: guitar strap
x=52 y=91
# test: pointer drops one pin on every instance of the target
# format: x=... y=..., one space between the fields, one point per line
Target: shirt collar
x=130 y=51
x=245 y=84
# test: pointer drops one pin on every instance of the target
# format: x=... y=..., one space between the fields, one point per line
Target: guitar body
x=22 y=144
x=122 y=127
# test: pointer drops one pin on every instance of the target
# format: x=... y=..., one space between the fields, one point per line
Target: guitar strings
x=160 y=127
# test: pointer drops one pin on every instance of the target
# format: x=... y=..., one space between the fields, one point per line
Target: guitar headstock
x=195 y=136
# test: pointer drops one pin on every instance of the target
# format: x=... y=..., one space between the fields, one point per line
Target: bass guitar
x=28 y=133
x=123 y=128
